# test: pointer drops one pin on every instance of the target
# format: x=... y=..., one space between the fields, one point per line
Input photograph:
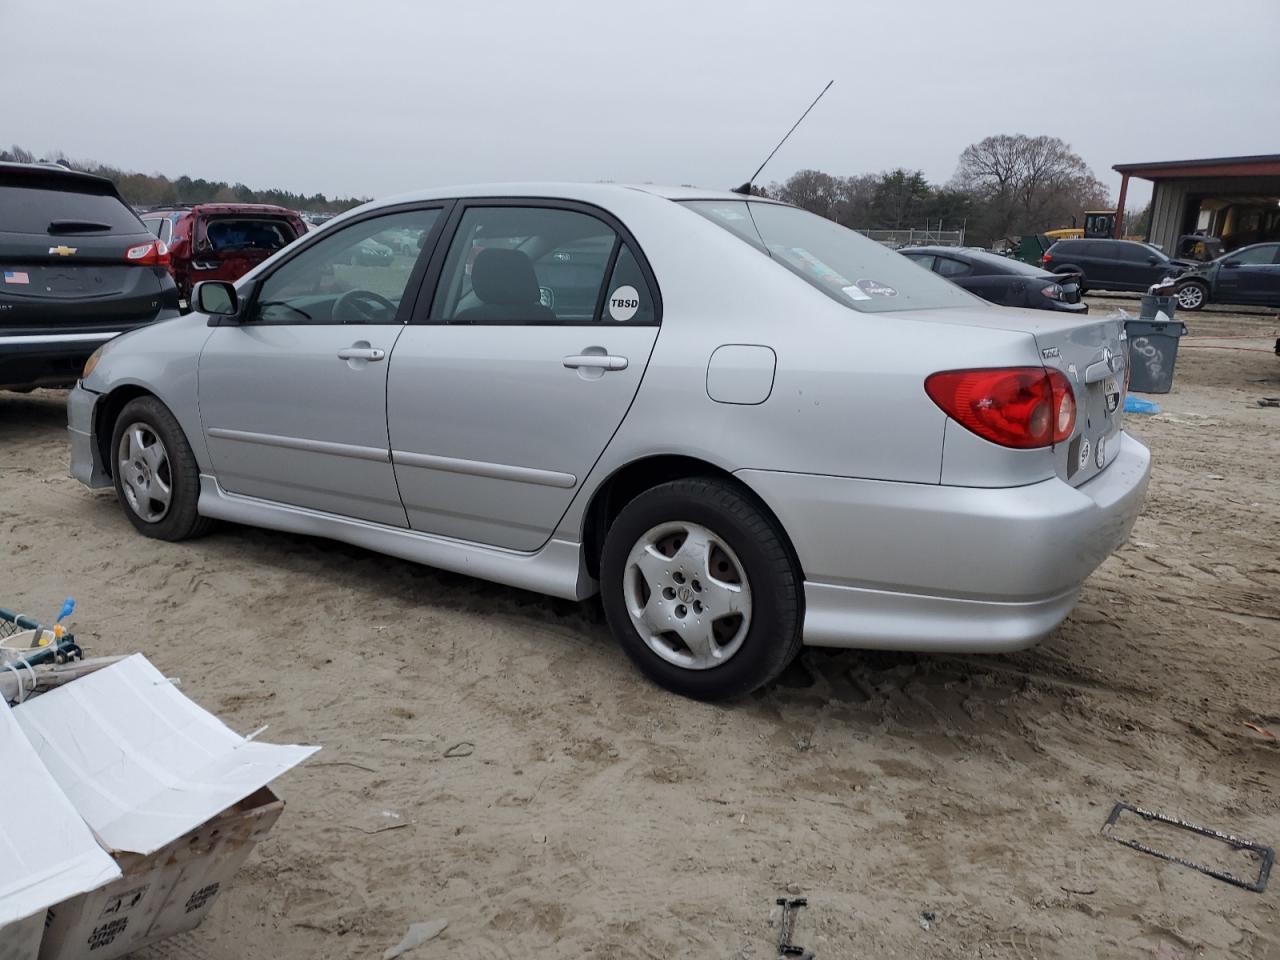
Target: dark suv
x=77 y=267
x=1112 y=264
x=221 y=241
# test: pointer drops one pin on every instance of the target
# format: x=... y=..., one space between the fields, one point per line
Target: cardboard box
x=121 y=760
x=20 y=940
x=47 y=853
x=163 y=893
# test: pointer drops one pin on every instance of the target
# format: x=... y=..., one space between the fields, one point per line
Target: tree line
x=1004 y=186
x=155 y=189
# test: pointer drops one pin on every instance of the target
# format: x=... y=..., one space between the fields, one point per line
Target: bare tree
x=1028 y=184
x=17 y=154
x=813 y=190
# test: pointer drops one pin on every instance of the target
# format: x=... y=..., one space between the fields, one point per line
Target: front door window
x=358 y=274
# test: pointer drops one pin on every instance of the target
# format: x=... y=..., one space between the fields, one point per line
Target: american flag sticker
x=16 y=276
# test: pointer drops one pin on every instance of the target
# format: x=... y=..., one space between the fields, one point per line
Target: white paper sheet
x=140 y=762
x=47 y=854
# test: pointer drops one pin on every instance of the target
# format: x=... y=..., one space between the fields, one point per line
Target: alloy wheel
x=1190 y=297
x=145 y=472
x=688 y=595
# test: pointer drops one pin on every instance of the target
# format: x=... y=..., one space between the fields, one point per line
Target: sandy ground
x=593 y=815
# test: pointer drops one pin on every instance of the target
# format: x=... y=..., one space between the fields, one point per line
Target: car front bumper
x=944 y=568
x=86 y=464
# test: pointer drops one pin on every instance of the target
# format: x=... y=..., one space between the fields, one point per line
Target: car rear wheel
x=1192 y=296
x=700 y=589
x=156 y=477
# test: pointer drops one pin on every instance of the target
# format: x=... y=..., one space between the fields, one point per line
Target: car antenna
x=745 y=189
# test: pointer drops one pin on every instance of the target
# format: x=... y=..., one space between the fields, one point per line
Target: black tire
x=1193 y=303
x=180 y=521
x=772 y=637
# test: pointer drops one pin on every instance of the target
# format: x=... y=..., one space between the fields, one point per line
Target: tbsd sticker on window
x=623 y=303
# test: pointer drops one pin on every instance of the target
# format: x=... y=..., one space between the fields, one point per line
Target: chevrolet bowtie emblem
x=62 y=251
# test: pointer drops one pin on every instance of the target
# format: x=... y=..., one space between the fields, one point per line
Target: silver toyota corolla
x=747 y=427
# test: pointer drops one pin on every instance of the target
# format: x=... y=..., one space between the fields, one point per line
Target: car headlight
x=91 y=363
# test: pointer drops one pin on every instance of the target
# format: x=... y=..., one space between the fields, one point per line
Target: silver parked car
x=747 y=427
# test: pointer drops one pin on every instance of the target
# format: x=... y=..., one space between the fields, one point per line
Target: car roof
x=586 y=192
x=52 y=171
x=221 y=208
x=977 y=255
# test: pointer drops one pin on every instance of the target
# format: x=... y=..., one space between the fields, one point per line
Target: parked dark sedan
x=1002 y=280
x=1112 y=264
x=77 y=268
x=1248 y=275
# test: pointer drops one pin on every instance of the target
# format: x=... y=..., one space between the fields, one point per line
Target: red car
x=221 y=241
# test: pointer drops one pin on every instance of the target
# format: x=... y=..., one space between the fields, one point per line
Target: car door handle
x=361 y=353
x=595 y=361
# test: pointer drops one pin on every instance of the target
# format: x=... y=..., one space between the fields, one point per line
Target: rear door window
x=925 y=260
x=849 y=268
x=533 y=265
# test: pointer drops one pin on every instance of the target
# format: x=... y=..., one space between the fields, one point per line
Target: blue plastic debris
x=1134 y=404
x=68 y=607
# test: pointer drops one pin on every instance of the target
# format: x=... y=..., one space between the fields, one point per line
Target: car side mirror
x=218 y=300
x=1153 y=260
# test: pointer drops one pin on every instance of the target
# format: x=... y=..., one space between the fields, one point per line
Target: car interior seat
x=507 y=288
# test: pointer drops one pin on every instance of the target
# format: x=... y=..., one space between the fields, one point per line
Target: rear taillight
x=1020 y=407
x=1048 y=257
x=153 y=254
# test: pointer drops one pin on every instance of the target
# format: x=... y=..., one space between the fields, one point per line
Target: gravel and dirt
x=548 y=802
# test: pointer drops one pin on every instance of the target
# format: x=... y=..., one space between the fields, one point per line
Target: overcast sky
x=373 y=97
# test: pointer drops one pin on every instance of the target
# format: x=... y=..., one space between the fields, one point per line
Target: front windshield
x=845 y=265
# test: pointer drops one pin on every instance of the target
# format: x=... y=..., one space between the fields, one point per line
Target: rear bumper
x=86 y=463
x=48 y=359
x=930 y=567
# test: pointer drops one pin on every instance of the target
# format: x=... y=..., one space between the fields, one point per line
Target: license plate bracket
x=1267 y=854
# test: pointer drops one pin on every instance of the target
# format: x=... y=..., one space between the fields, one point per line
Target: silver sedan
x=746 y=427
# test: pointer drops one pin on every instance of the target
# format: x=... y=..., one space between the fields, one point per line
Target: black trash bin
x=1153 y=351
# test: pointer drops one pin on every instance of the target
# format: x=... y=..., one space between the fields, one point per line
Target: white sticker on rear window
x=727 y=213
x=623 y=303
x=876 y=289
x=855 y=293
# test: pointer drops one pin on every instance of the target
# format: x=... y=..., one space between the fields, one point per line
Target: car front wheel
x=156 y=477
x=1192 y=296
x=700 y=589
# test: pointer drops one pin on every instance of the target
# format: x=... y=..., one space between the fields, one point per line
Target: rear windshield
x=991 y=261
x=845 y=265
x=223 y=234
x=63 y=212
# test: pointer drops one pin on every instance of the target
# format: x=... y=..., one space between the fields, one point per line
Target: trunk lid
x=1093 y=354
